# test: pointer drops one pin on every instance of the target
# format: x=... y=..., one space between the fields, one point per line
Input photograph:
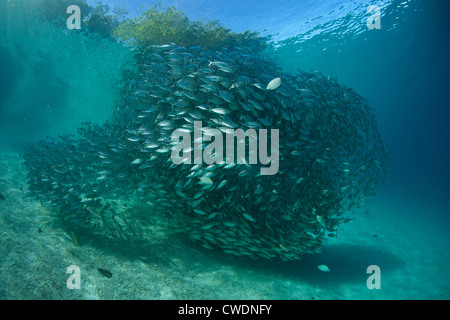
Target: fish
x=274 y=84
x=2 y=197
x=200 y=212
x=212 y=78
x=321 y=220
x=186 y=85
x=206 y=180
x=248 y=217
x=259 y=86
x=222 y=183
x=136 y=161
x=256 y=104
x=105 y=273
x=206 y=227
x=225 y=96
x=165 y=123
x=220 y=110
x=225 y=67
x=323 y=268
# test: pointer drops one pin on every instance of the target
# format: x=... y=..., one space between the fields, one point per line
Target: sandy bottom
x=407 y=239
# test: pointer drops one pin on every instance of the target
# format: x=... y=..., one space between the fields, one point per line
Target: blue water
x=403 y=69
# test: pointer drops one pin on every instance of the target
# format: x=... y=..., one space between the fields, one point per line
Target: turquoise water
x=53 y=80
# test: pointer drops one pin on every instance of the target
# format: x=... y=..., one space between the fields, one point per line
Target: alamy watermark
x=374 y=281
x=214 y=152
x=74 y=21
x=374 y=21
x=74 y=280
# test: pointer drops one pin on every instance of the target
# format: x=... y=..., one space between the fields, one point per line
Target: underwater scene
x=224 y=150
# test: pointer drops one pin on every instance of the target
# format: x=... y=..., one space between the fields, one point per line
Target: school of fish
x=330 y=150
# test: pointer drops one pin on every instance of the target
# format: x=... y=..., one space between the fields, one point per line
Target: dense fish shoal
x=331 y=156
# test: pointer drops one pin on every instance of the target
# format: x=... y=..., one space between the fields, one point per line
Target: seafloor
x=394 y=232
